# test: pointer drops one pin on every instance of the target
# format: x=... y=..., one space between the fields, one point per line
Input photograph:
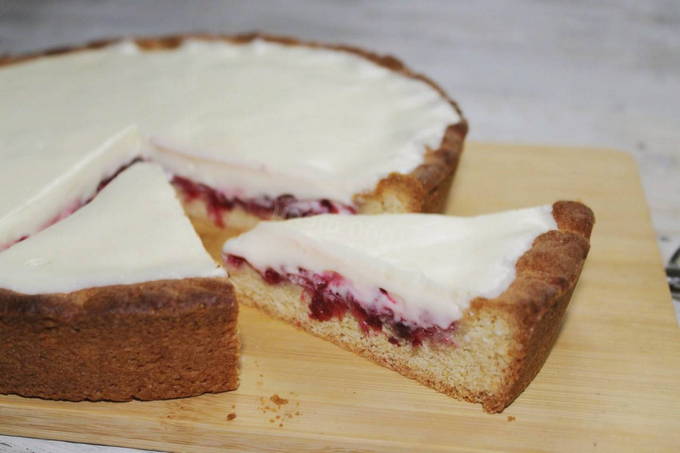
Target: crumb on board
x=277 y=410
x=231 y=416
x=276 y=399
x=511 y=418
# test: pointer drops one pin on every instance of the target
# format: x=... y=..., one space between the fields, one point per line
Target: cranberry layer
x=75 y=205
x=330 y=296
x=265 y=207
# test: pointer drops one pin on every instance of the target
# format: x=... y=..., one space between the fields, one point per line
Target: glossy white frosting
x=251 y=120
x=133 y=231
x=432 y=265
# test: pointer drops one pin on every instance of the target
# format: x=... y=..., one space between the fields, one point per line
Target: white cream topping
x=251 y=120
x=133 y=231
x=432 y=265
x=39 y=191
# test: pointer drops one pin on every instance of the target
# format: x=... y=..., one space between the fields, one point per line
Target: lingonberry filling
x=105 y=182
x=329 y=296
x=265 y=207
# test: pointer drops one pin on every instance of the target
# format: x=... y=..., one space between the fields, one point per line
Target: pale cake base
x=472 y=371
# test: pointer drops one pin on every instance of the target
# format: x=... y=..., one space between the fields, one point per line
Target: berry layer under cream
x=331 y=296
x=265 y=207
x=430 y=266
x=259 y=119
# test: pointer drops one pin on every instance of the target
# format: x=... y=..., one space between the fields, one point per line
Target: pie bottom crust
x=498 y=346
x=153 y=340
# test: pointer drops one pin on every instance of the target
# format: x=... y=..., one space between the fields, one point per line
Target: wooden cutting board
x=612 y=382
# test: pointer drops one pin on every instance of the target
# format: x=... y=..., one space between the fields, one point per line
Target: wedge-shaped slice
x=117 y=301
x=468 y=306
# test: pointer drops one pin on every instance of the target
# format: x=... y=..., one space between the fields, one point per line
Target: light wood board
x=612 y=382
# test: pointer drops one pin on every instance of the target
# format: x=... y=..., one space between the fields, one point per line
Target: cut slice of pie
x=117 y=301
x=468 y=306
x=250 y=126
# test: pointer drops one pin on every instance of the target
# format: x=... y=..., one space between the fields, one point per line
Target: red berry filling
x=329 y=297
x=265 y=207
x=105 y=182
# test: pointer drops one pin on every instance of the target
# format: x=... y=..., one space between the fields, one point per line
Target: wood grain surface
x=612 y=383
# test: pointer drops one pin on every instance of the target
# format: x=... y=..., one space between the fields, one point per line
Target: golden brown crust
x=546 y=276
x=423 y=190
x=426 y=188
x=121 y=342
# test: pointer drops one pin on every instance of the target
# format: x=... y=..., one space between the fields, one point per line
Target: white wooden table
x=570 y=73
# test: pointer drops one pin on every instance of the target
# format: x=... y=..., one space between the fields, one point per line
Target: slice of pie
x=117 y=301
x=250 y=126
x=468 y=306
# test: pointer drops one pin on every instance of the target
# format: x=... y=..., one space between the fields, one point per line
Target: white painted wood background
x=603 y=73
